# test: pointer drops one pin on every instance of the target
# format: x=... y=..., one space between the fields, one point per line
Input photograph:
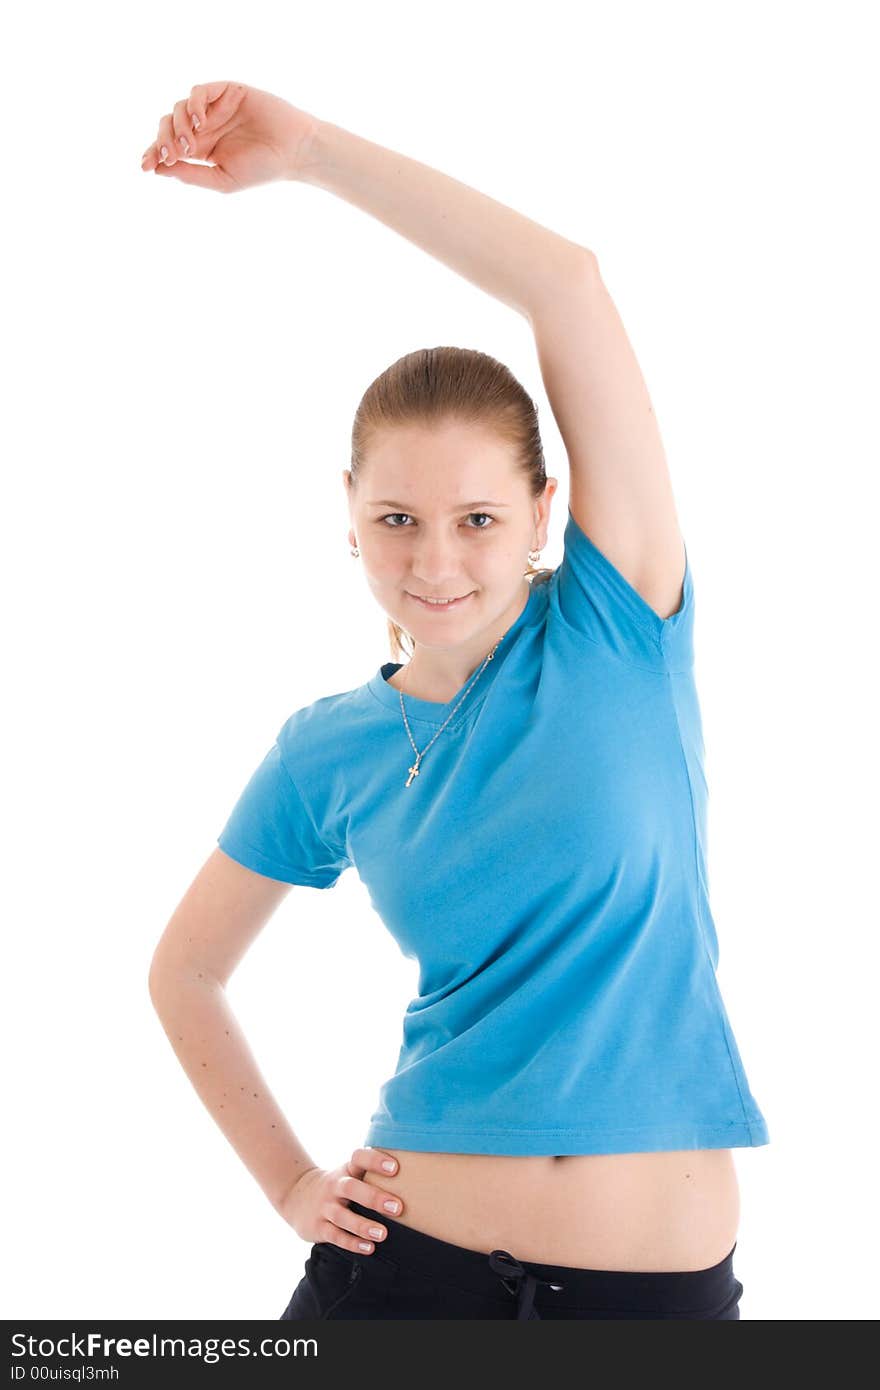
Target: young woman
x=524 y=798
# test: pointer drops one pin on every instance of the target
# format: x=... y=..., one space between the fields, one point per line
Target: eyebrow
x=461 y=506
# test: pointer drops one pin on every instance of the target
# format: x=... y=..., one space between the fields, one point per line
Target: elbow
x=162 y=979
x=154 y=978
x=170 y=977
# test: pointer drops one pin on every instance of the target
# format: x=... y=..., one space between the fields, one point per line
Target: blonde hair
x=436 y=384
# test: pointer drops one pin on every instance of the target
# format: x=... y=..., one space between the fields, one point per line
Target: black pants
x=413 y=1275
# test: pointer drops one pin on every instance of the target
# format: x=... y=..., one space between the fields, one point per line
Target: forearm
x=501 y=251
x=205 y=1034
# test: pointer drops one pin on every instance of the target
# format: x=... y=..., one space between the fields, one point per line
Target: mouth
x=437 y=606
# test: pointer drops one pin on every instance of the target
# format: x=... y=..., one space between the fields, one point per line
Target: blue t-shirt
x=546 y=868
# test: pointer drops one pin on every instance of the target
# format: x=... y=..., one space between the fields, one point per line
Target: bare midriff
x=671 y=1211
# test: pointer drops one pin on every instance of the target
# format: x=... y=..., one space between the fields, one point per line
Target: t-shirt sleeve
x=271 y=830
x=595 y=599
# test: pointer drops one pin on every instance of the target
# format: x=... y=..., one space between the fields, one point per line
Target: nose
x=435 y=567
x=444 y=580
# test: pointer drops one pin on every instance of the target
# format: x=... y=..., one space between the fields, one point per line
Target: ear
x=542 y=510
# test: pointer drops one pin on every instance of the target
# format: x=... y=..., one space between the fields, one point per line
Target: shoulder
x=311 y=730
x=651 y=558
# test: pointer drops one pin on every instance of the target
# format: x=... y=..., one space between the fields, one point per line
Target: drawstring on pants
x=524 y=1283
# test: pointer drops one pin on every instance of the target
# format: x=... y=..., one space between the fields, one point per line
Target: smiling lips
x=438 y=605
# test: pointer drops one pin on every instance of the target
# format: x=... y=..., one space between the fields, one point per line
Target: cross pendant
x=413 y=771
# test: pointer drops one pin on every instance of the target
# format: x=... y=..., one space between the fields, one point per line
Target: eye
x=389 y=515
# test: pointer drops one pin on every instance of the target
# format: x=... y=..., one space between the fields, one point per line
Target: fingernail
x=392 y=1206
x=389 y=1165
x=196 y=123
x=164 y=151
x=185 y=143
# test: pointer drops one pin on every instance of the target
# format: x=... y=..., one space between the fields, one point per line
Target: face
x=442 y=512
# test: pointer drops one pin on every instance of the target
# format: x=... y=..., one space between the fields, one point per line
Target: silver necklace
x=414 y=770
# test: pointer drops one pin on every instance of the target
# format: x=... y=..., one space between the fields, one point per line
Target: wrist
x=307 y=158
x=281 y=1203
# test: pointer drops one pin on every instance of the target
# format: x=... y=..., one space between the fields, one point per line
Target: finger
x=350 y=1188
x=165 y=141
x=184 y=135
x=177 y=134
x=366 y=1231
x=204 y=94
x=223 y=105
x=340 y=1236
x=199 y=175
x=374 y=1160
x=195 y=106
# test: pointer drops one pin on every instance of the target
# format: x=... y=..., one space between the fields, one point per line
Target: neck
x=445 y=670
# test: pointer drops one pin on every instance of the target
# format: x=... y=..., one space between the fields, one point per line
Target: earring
x=354 y=552
x=534 y=556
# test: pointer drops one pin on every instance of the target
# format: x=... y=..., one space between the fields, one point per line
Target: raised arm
x=620 y=488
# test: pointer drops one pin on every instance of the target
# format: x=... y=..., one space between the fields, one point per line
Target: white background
x=181 y=374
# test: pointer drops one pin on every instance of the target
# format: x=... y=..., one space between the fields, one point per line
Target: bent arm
x=199 y=1023
x=218 y=918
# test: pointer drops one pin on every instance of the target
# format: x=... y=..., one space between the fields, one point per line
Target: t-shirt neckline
x=433 y=711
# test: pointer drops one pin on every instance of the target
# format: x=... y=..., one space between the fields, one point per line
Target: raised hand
x=246 y=136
